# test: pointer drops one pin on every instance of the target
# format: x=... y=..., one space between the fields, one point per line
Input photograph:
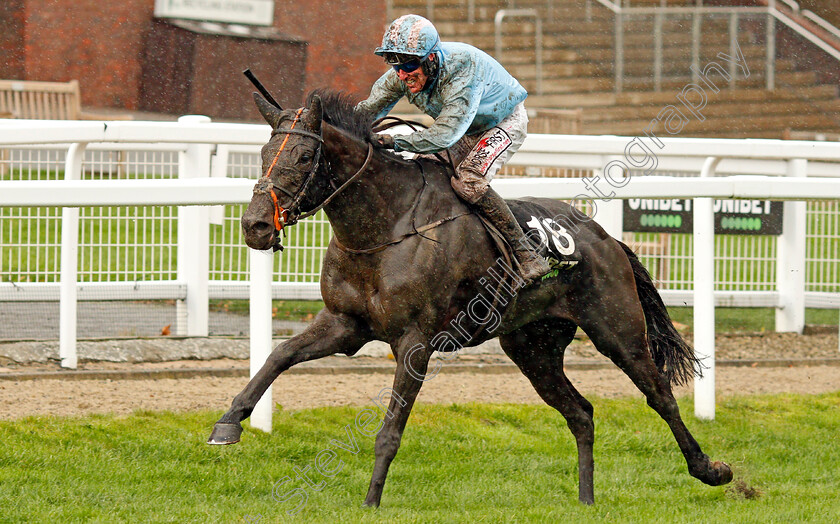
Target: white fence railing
x=790 y=171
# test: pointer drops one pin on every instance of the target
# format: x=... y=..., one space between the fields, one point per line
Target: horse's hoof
x=718 y=474
x=224 y=433
x=724 y=472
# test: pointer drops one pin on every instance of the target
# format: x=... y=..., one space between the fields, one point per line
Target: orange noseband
x=280 y=214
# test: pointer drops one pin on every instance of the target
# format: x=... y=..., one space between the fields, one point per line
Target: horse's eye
x=305 y=158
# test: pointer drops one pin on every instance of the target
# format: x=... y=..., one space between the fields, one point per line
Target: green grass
x=296 y=310
x=139 y=243
x=727 y=320
x=751 y=320
x=458 y=463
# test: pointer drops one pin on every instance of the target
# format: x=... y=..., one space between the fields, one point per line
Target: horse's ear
x=313 y=116
x=271 y=114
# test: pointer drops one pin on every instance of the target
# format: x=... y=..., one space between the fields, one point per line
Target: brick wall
x=341 y=43
x=102 y=44
x=11 y=39
x=96 y=42
x=188 y=70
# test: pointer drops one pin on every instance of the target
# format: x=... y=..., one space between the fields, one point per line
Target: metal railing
x=623 y=13
x=820 y=21
x=538 y=39
x=430 y=9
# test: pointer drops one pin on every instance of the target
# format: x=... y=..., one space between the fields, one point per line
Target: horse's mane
x=339 y=111
x=338 y=108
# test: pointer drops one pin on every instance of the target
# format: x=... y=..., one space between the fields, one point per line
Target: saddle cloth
x=545 y=230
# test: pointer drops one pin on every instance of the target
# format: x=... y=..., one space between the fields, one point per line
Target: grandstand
x=793 y=95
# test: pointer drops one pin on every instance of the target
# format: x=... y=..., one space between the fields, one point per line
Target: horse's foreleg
x=329 y=334
x=412 y=361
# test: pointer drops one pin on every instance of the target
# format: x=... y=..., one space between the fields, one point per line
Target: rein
x=343 y=186
x=281 y=215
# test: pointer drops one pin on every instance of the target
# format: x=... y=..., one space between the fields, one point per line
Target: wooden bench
x=46 y=101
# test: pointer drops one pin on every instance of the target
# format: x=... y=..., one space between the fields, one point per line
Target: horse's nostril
x=259 y=227
x=254 y=225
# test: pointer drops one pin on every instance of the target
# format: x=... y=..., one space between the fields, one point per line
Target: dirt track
x=298 y=391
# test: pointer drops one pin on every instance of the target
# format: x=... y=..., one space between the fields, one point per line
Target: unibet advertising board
x=675 y=215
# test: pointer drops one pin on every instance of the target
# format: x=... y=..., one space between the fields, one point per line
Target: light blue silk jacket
x=471 y=94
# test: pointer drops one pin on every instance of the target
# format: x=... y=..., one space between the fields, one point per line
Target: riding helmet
x=409 y=35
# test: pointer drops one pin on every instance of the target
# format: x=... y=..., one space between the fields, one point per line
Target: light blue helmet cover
x=409 y=35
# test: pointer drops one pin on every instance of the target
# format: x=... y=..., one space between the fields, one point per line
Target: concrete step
x=569 y=85
x=744 y=126
x=714 y=109
x=675 y=57
x=584 y=42
x=831 y=106
x=552 y=71
x=553 y=85
x=675 y=53
x=756 y=80
x=823 y=94
x=645 y=68
x=529 y=56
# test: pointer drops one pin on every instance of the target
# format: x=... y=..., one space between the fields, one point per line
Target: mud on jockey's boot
x=225 y=433
x=532 y=266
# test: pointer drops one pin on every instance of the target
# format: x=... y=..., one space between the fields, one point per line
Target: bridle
x=289 y=216
x=284 y=216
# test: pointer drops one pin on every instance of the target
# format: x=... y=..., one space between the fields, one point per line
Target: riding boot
x=531 y=265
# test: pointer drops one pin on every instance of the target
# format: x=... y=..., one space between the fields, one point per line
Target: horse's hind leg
x=625 y=344
x=538 y=351
x=327 y=335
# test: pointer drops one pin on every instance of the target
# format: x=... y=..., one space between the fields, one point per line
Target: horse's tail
x=671 y=354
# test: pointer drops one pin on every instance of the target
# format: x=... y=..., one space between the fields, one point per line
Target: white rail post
x=262 y=264
x=69 y=264
x=610 y=217
x=704 y=298
x=790 y=259
x=609 y=212
x=193 y=241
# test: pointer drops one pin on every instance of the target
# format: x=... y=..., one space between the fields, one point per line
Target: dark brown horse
x=408 y=264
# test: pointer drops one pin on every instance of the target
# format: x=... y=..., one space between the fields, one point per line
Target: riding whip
x=261 y=88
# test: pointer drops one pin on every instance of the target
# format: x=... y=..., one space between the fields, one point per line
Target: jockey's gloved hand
x=383 y=141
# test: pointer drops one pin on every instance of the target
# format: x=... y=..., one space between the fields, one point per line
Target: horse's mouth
x=276 y=242
x=264 y=242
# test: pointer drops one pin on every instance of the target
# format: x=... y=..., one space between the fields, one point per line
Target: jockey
x=479 y=117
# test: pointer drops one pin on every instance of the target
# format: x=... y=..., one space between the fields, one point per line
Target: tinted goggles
x=408 y=67
x=407 y=63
